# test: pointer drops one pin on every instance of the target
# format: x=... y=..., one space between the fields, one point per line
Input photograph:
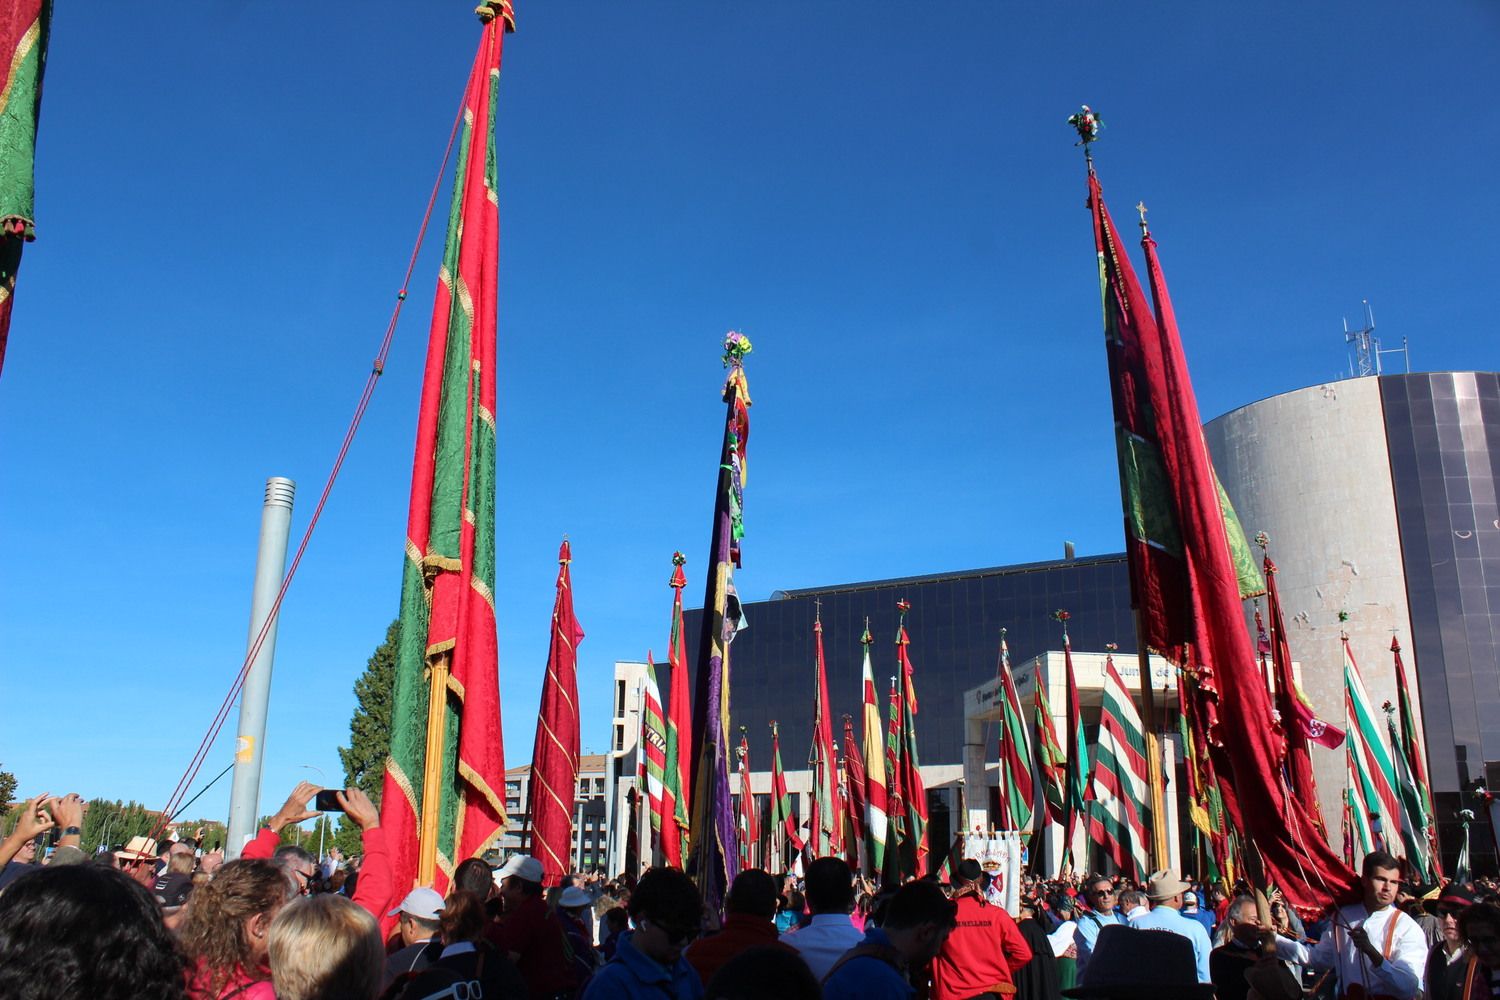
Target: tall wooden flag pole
x=441 y=801
x=713 y=849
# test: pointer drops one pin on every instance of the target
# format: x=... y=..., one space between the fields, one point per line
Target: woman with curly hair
x=85 y=931
x=227 y=932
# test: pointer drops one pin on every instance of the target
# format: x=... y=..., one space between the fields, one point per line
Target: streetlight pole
x=322 y=820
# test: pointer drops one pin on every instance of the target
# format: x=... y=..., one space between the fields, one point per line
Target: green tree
x=369 y=733
x=7 y=789
x=108 y=823
x=370 y=727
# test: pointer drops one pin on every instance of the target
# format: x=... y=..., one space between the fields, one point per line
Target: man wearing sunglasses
x=1099 y=893
x=1445 y=962
x=667 y=913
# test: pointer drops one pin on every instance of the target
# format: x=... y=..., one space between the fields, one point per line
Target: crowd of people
x=172 y=920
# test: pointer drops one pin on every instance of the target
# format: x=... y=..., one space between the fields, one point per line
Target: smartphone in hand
x=327 y=801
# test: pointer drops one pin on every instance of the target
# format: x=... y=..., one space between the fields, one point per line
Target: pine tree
x=369 y=733
x=370 y=727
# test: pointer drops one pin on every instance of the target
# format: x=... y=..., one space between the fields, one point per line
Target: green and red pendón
x=447 y=587
x=24 y=29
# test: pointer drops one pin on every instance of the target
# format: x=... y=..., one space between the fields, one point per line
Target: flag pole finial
x=1087 y=123
x=1062 y=615
x=489 y=10
x=1140 y=206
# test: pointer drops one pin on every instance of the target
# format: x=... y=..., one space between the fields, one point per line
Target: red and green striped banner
x=1117 y=817
x=1077 y=784
x=876 y=793
x=826 y=816
x=654 y=751
x=748 y=828
x=448 y=584
x=1052 y=763
x=914 y=848
x=1017 y=787
x=1373 y=806
x=892 y=872
x=677 y=777
x=1415 y=753
x=783 y=822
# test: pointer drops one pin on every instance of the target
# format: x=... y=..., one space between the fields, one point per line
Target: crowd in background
x=173 y=920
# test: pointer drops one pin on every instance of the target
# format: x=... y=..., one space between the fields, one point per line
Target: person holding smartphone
x=375 y=885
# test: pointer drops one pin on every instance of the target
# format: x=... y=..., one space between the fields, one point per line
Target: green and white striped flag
x=1017 y=785
x=1117 y=817
x=1373 y=807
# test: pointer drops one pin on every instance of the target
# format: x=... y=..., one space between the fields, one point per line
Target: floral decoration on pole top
x=1087 y=123
x=736 y=346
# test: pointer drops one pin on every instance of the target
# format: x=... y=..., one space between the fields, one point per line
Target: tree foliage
x=370 y=726
x=369 y=733
x=7 y=789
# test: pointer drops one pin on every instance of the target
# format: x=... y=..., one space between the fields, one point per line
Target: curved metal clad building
x=1379 y=495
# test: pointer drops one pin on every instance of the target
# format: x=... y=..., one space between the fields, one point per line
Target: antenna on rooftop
x=1365 y=359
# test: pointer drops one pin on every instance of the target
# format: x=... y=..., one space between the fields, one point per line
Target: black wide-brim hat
x=1454 y=894
x=1131 y=964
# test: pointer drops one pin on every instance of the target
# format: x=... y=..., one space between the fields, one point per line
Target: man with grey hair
x=1228 y=963
x=1099 y=893
x=1133 y=905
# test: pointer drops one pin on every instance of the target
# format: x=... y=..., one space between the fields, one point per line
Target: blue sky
x=884 y=197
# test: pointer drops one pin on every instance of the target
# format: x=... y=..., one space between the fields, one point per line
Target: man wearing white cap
x=528 y=934
x=1165 y=890
x=418 y=925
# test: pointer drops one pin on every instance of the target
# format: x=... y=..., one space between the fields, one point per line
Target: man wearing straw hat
x=1165 y=890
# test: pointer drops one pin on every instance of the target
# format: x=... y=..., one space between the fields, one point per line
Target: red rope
x=376 y=370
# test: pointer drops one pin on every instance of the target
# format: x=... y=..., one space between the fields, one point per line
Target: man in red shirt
x=984 y=949
x=529 y=935
x=750 y=907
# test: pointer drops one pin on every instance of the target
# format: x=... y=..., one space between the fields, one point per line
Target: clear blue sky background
x=884 y=196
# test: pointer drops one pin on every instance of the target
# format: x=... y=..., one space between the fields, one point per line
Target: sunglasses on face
x=1443 y=911
x=674 y=935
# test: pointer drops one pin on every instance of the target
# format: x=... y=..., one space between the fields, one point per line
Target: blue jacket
x=867 y=977
x=1165 y=918
x=630 y=975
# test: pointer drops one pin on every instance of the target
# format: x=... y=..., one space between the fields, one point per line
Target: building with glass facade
x=1379 y=496
x=954 y=626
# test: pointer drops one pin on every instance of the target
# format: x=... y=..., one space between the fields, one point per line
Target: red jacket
x=740 y=933
x=981 y=954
